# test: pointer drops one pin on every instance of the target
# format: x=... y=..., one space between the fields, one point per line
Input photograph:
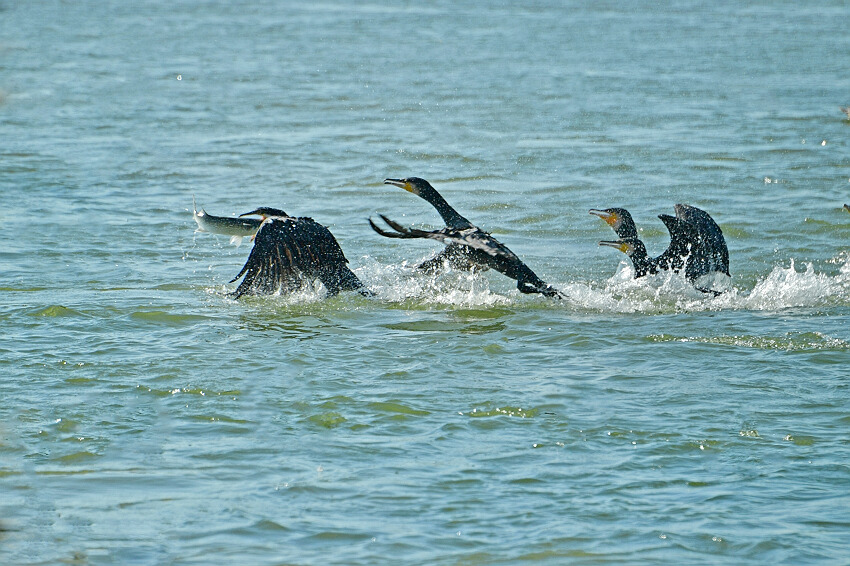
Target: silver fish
x=236 y=228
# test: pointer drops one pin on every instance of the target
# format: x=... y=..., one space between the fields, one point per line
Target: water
x=149 y=419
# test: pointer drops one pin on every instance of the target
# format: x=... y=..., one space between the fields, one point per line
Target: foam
x=661 y=293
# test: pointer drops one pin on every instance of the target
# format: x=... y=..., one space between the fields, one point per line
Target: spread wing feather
x=711 y=245
x=485 y=250
x=289 y=252
x=474 y=238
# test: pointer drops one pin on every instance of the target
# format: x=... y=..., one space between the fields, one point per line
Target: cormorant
x=696 y=243
x=289 y=252
x=467 y=245
x=847 y=207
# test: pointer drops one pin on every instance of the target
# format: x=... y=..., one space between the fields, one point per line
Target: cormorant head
x=632 y=247
x=265 y=212
x=636 y=251
x=415 y=185
x=620 y=220
x=424 y=190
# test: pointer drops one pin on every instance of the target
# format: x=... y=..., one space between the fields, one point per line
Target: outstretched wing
x=711 y=240
x=474 y=238
x=288 y=252
x=486 y=250
x=683 y=237
x=322 y=258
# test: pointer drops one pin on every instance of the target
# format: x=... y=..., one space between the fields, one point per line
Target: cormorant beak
x=399 y=183
x=609 y=217
x=255 y=212
x=624 y=247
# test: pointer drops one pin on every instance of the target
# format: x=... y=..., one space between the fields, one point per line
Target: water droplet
x=179 y=77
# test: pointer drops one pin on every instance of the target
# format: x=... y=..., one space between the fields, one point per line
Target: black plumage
x=291 y=252
x=696 y=243
x=467 y=245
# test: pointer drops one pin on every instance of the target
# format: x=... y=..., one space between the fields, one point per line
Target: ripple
x=167 y=318
x=507 y=411
x=392 y=407
x=328 y=420
x=55 y=311
x=789 y=342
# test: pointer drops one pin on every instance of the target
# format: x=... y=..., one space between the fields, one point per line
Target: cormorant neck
x=644 y=265
x=452 y=217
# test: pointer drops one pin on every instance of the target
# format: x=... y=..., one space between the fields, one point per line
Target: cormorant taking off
x=696 y=243
x=289 y=252
x=467 y=245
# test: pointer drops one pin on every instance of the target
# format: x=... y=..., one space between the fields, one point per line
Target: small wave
x=54 y=311
x=789 y=342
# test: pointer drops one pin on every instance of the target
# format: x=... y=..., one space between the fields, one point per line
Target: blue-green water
x=146 y=418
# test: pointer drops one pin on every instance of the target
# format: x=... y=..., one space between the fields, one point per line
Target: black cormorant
x=467 y=245
x=289 y=252
x=696 y=243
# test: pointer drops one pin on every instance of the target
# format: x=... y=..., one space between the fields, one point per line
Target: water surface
x=147 y=418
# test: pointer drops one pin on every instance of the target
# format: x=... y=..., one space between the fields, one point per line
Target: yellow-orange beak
x=624 y=247
x=610 y=217
x=401 y=183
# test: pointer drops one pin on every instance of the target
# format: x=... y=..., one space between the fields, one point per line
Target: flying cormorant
x=288 y=253
x=467 y=245
x=696 y=243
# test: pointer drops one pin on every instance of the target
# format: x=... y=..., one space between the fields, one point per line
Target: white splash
x=403 y=283
x=787 y=288
x=782 y=288
x=662 y=293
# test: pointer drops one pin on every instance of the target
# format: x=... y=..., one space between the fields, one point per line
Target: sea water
x=148 y=418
